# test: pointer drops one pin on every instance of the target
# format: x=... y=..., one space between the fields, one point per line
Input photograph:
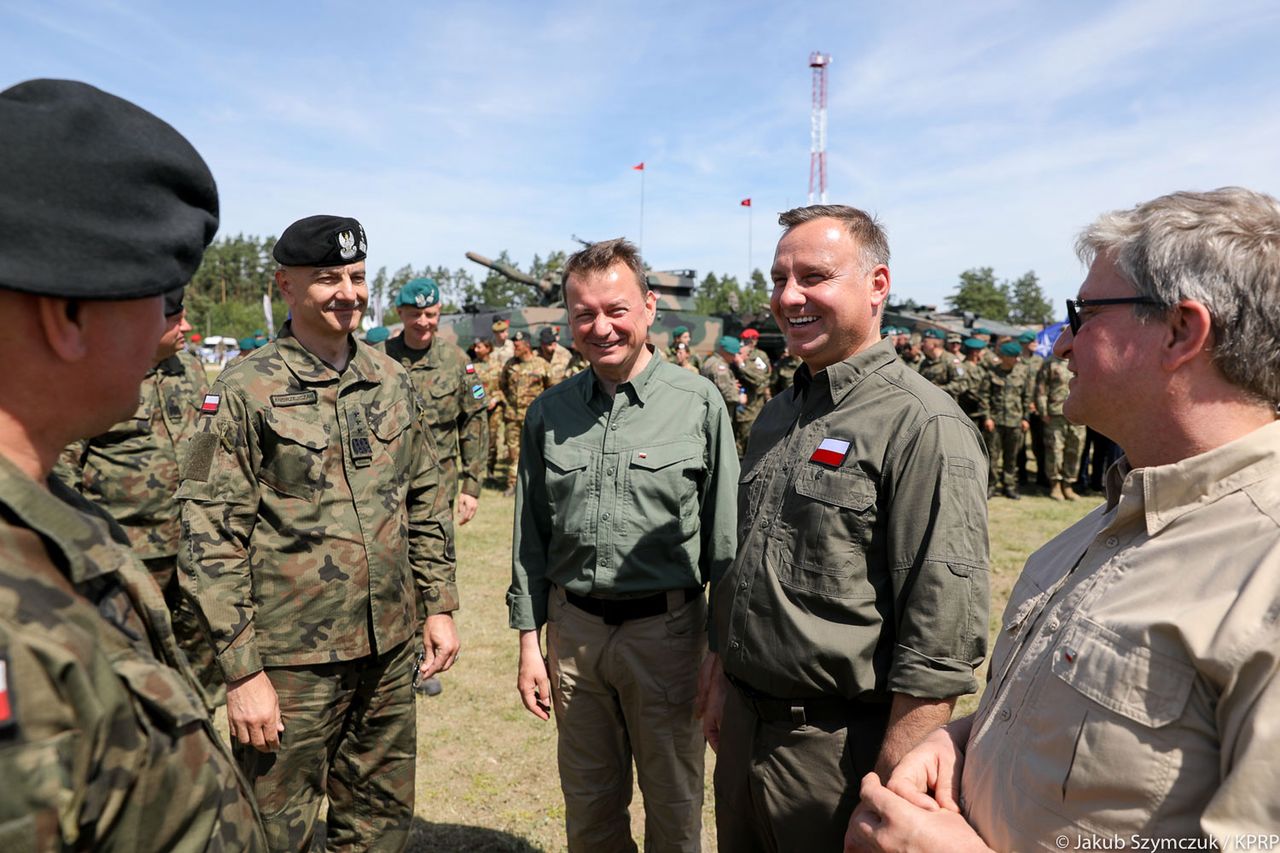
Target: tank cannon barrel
x=545 y=287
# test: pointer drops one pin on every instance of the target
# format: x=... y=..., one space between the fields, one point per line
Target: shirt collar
x=1167 y=492
x=843 y=376
x=309 y=369
x=637 y=389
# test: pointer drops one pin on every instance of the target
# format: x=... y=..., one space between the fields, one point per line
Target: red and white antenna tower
x=818 y=128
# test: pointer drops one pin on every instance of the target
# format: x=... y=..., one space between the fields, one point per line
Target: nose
x=600 y=327
x=1062 y=346
x=347 y=288
x=790 y=296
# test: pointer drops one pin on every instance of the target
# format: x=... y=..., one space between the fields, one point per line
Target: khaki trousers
x=787 y=787
x=350 y=733
x=622 y=692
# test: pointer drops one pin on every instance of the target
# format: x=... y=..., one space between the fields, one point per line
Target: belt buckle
x=797 y=714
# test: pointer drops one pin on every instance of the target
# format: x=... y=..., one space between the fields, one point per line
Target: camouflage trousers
x=496 y=437
x=350 y=734
x=1002 y=448
x=1063 y=442
x=188 y=631
x=741 y=431
x=513 y=450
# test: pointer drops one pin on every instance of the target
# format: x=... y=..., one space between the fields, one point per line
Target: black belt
x=615 y=611
x=819 y=709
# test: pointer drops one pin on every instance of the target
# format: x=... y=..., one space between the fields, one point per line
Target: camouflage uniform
x=522 y=382
x=753 y=373
x=131 y=471
x=943 y=372
x=1009 y=394
x=784 y=373
x=969 y=392
x=717 y=370
x=1035 y=438
x=315 y=528
x=104 y=742
x=490 y=373
x=670 y=355
x=506 y=352
x=558 y=364
x=1063 y=440
x=454 y=406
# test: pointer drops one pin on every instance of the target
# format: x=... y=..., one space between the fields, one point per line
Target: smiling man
x=855 y=610
x=316 y=533
x=1135 y=684
x=624 y=512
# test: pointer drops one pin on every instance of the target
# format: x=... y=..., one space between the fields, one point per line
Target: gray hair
x=863 y=227
x=1219 y=248
x=599 y=257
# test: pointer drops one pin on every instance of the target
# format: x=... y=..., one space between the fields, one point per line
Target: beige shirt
x=1133 y=686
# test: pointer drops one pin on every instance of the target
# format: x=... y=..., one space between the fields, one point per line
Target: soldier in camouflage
x=452 y=394
x=489 y=371
x=131 y=471
x=680 y=335
x=1063 y=440
x=716 y=368
x=936 y=365
x=503 y=347
x=1009 y=389
x=753 y=371
x=524 y=377
x=556 y=356
x=1035 y=438
x=316 y=534
x=104 y=741
x=784 y=372
x=969 y=394
x=685 y=358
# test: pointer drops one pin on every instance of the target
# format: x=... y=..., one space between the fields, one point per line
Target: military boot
x=1011 y=492
x=1068 y=493
x=1056 y=492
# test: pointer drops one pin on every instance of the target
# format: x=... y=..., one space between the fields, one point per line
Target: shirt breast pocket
x=831 y=514
x=1113 y=746
x=388 y=426
x=663 y=483
x=571 y=495
x=293 y=456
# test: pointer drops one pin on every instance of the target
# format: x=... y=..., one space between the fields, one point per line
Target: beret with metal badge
x=419 y=293
x=321 y=241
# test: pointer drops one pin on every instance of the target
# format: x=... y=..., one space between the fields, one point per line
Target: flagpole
x=642 y=210
x=748 y=278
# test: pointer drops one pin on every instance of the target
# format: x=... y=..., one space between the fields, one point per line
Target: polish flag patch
x=6 y=707
x=471 y=368
x=210 y=404
x=831 y=451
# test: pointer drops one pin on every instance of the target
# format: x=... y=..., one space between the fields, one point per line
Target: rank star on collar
x=831 y=451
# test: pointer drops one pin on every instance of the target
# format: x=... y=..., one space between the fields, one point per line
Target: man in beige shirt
x=1133 y=692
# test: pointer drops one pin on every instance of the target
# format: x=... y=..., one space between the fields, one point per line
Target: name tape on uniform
x=831 y=451
x=210 y=404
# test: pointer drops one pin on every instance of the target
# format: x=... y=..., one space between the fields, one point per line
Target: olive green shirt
x=625 y=495
x=864 y=572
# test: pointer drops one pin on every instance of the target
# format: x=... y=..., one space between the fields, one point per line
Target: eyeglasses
x=1075 y=305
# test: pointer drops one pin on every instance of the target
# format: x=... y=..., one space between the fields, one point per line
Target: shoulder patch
x=471 y=368
x=199 y=457
x=297 y=398
x=760 y=365
x=8 y=717
x=722 y=366
x=210 y=404
x=477 y=391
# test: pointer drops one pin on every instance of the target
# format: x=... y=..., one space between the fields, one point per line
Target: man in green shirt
x=855 y=611
x=624 y=511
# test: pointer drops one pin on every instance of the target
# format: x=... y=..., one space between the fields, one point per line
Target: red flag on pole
x=746 y=202
x=638 y=167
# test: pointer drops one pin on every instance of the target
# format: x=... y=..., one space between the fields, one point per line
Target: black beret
x=321 y=241
x=173 y=301
x=99 y=199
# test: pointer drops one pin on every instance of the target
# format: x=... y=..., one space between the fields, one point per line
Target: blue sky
x=982 y=134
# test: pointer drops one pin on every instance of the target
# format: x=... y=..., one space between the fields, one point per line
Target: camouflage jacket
x=784 y=373
x=490 y=373
x=558 y=364
x=131 y=470
x=104 y=742
x=1009 y=394
x=1034 y=362
x=311 y=508
x=941 y=371
x=969 y=391
x=1051 y=386
x=522 y=382
x=454 y=404
x=717 y=370
x=754 y=374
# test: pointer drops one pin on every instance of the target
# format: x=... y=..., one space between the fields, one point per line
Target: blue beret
x=1010 y=348
x=419 y=293
x=90 y=181
x=321 y=241
x=730 y=344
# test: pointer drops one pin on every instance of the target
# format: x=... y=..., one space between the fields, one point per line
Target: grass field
x=487 y=768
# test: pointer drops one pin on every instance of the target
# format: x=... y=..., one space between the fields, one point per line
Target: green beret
x=1027 y=337
x=938 y=334
x=247 y=344
x=1010 y=348
x=419 y=293
x=321 y=241
x=975 y=343
x=377 y=335
x=679 y=330
x=90 y=181
x=730 y=344
x=982 y=330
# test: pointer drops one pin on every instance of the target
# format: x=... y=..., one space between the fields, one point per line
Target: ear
x=285 y=285
x=879 y=285
x=1190 y=335
x=651 y=306
x=64 y=323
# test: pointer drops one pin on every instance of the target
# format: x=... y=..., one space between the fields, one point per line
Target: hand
x=886 y=822
x=439 y=644
x=253 y=712
x=709 y=705
x=493 y=404
x=531 y=681
x=1025 y=426
x=989 y=425
x=467 y=507
x=929 y=775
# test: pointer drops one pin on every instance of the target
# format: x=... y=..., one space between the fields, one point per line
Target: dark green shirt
x=863 y=572
x=622 y=496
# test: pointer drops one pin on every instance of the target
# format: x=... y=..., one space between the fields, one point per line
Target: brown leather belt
x=615 y=611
